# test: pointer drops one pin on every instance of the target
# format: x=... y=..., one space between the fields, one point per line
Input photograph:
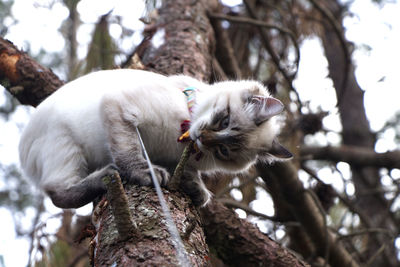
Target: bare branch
x=307 y=212
x=224 y=50
x=237 y=205
x=23 y=77
x=358 y=156
x=269 y=48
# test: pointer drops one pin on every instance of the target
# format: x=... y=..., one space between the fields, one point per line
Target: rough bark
x=153 y=247
x=187 y=40
x=23 y=77
x=356 y=132
x=240 y=243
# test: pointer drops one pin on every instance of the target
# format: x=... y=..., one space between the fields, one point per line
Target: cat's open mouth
x=197 y=146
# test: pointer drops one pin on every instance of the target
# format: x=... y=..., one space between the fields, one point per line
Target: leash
x=175 y=237
x=190 y=93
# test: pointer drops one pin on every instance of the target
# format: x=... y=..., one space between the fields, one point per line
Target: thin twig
x=322 y=211
x=274 y=57
x=263 y=24
x=39 y=211
x=224 y=50
x=343 y=199
x=235 y=204
x=218 y=71
x=373 y=257
x=366 y=231
x=229 y=188
x=176 y=178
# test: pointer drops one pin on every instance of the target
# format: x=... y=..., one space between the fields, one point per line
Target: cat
x=87 y=130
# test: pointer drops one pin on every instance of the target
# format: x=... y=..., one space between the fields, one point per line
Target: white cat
x=87 y=129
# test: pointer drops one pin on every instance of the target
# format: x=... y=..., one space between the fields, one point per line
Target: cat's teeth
x=196 y=147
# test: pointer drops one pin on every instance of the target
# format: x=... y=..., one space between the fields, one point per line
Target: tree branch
x=224 y=50
x=353 y=155
x=23 y=77
x=275 y=59
x=239 y=243
x=237 y=205
x=263 y=24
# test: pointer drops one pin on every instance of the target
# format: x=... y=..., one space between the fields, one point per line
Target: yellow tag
x=183 y=136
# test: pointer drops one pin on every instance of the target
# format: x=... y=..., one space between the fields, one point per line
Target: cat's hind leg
x=82 y=192
x=65 y=175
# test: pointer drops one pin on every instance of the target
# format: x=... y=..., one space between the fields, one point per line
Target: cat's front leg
x=138 y=172
x=194 y=186
x=120 y=125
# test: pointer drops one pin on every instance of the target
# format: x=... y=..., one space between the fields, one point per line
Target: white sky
x=371 y=26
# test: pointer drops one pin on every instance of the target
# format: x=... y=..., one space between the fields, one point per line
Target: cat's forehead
x=243 y=85
x=235 y=93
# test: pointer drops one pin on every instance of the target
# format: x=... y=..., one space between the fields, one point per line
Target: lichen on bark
x=154 y=246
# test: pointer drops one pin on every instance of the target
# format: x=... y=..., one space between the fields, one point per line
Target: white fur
x=67 y=135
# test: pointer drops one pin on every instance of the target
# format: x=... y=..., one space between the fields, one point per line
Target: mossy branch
x=119 y=206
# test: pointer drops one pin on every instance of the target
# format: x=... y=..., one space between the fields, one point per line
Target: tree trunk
x=356 y=132
x=186 y=40
x=153 y=246
x=184 y=45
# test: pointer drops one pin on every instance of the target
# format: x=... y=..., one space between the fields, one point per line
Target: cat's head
x=233 y=125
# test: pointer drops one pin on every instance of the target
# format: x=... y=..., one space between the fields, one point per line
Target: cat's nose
x=207 y=138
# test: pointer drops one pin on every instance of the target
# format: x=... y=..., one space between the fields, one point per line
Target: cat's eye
x=223 y=151
x=224 y=123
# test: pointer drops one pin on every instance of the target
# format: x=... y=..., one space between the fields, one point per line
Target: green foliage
x=17 y=194
x=10 y=103
x=5 y=12
x=58 y=255
x=71 y=4
x=102 y=49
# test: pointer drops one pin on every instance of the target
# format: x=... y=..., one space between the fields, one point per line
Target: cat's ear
x=277 y=152
x=264 y=107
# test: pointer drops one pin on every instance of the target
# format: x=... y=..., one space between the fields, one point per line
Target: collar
x=190 y=93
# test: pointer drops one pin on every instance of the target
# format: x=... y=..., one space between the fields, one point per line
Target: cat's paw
x=143 y=176
x=198 y=193
x=110 y=169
